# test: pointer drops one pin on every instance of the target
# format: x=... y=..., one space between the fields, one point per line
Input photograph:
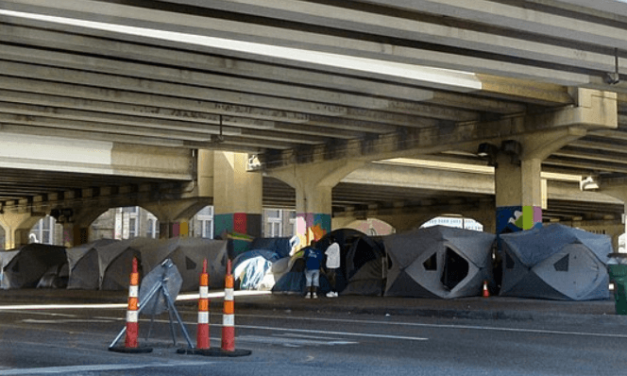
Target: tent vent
x=562 y=264
x=431 y=263
x=190 y=264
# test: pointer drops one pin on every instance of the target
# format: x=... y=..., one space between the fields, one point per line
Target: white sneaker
x=315 y=296
x=335 y=294
x=307 y=296
x=330 y=294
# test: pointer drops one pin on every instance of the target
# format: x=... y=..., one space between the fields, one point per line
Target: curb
x=448 y=313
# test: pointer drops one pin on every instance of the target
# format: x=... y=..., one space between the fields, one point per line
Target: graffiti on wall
x=517 y=218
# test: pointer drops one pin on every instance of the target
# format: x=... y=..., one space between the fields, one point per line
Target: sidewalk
x=492 y=308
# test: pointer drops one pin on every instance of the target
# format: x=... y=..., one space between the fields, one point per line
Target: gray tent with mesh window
x=83 y=265
x=188 y=254
x=438 y=262
x=555 y=262
x=23 y=267
x=115 y=262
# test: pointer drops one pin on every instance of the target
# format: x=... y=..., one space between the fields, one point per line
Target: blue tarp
x=250 y=268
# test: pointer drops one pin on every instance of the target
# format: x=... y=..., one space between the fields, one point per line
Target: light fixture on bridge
x=254 y=163
x=589 y=183
x=489 y=152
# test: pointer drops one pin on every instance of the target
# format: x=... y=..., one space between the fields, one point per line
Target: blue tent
x=555 y=262
x=250 y=268
x=293 y=282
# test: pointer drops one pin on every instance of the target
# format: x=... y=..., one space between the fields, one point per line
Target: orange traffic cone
x=202 y=334
x=228 y=321
x=486 y=292
x=132 y=325
x=228 y=318
x=132 y=316
x=228 y=315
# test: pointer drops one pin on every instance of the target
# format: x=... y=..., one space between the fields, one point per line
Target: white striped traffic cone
x=228 y=315
x=132 y=316
x=203 y=341
x=228 y=318
x=228 y=323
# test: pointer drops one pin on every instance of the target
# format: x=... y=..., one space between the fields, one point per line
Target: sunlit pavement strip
x=96 y=368
x=292 y=341
x=183 y=297
x=368 y=335
x=66 y=321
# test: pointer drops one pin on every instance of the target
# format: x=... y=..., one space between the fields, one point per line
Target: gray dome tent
x=188 y=254
x=361 y=262
x=23 y=267
x=83 y=265
x=555 y=262
x=115 y=262
x=438 y=262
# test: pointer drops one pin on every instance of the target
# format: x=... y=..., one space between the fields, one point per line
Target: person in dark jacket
x=313 y=261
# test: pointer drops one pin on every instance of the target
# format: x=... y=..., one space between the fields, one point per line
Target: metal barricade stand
x=158 y=292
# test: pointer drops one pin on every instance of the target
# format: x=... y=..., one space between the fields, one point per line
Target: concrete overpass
x=133 y=94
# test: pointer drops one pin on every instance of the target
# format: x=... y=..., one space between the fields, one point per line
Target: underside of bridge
x=299 y=81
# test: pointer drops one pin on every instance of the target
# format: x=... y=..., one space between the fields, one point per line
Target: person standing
x=332 y=264
x=313 y=261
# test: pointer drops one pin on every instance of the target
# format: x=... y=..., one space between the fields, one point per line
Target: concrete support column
x=518 y=160
x=237 y=196
x=313 y=211
x=518 y=188
x=17 y=226
x=314 y=184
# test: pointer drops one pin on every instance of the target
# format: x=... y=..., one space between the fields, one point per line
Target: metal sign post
x=158 y=291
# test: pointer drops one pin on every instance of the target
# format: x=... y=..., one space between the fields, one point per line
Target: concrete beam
x=190 y=60
x=283 y=44
x=411 y=28
x=322 y=107
x=446 y=178
x=50 y=153
x=158 y=87
x=115 y=123
x=41 y=92
x=234 y=83
x=521 y=19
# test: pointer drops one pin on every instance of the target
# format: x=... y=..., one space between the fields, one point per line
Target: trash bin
x=617 y=268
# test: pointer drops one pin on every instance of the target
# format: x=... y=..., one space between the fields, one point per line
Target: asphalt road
x=75 y=342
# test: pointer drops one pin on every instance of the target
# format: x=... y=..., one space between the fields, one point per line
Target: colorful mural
x=241 y=228
x=517 y=218
x=312 y=226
